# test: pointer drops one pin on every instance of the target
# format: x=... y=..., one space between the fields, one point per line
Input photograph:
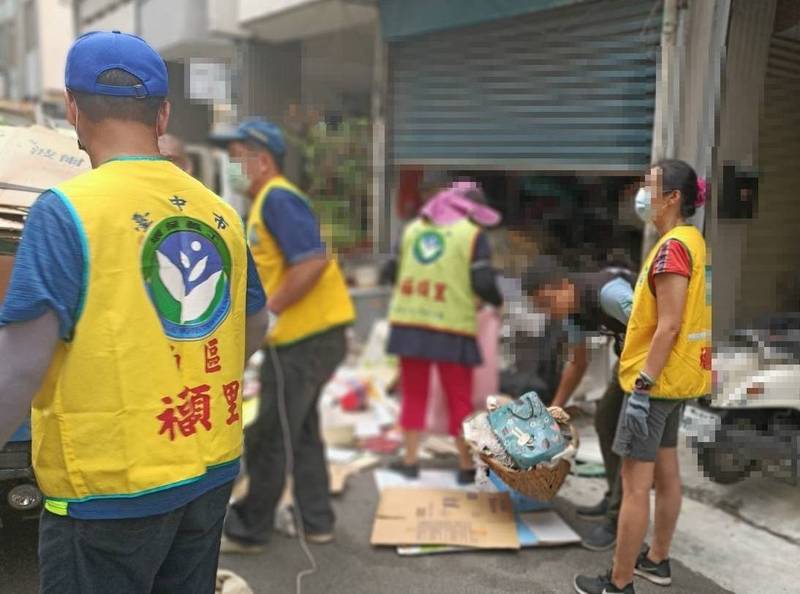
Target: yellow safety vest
x=433 y=289
x=146 y=395
x=326 y=306
x=687 y=373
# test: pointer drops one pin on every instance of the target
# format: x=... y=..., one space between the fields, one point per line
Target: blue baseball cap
x=265 y=133
x=94 y=53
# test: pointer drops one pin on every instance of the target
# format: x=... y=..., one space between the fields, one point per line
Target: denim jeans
x=172 y=553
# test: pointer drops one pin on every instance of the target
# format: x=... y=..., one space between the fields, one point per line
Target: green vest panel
x=433 y=284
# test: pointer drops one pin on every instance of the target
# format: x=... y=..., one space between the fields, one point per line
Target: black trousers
x=306 y=367
x=605 y=422
x=173 y=553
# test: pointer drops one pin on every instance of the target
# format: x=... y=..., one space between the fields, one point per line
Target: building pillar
x=381 y=201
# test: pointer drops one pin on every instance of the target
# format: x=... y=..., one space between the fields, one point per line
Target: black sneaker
x=657 y=573
x=410 y=471
x=465 y=477
x=593 y=512
x=602 y=537
x=599 y=585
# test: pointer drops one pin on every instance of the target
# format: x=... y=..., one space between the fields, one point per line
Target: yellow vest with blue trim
x=326 y=306
x=687 y=373
x=434 y=289
x=147 y=393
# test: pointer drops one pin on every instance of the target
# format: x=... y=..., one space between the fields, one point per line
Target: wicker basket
x=541 y=483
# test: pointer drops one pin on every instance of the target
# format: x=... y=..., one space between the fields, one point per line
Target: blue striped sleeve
x=256 y=299
x=293 y=224
x=49 y=267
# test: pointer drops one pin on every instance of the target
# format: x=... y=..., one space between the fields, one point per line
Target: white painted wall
x=56 y=32
x=122 y=18
x=223 y=18
x=257 y=9
x=336 y=65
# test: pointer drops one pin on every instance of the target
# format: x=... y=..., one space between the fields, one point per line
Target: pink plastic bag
x=485 y=381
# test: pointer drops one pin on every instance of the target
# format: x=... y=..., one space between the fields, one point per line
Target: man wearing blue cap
x=309 y=298
x=132 y=307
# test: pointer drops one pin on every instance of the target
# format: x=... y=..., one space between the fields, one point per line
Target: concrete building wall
x=188 y=120
x=252 y=9
x=106 y=15
x=267 y=81
x=337 y=70
x=741 y=99
x=122 y=19
x=36 y=35
x=771 y=258
x=56 y=33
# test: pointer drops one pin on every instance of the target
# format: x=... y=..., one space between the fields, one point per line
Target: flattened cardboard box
x=36 y=157
x=442 y=517
x=6 y=264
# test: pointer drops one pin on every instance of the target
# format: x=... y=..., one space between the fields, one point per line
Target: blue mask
x=644 y=205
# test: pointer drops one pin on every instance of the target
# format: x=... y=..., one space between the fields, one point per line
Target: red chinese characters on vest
x=213 y=364
x=231 y=393
x=705 y=358
x=424 y=288
x=190 y=408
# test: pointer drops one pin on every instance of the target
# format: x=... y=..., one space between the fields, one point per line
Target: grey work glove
x=636 y=411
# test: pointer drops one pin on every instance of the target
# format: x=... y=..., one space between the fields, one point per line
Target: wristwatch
x=643 y=383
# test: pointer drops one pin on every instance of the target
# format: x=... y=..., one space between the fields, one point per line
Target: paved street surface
x=743 y=538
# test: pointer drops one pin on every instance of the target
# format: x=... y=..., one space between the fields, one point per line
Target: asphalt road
x=352 y=566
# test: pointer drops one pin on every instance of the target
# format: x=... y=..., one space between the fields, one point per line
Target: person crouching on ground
x=666 y=360
x=444 y=269
x=589 y=303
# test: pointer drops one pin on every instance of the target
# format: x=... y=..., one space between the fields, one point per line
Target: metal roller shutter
x=565 y=89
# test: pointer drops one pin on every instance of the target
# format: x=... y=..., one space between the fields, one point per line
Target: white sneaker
x=321 y=538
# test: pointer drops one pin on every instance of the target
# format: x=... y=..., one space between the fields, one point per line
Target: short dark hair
x=132 y=109
x=254 y=145
x=545 y=270
x=679 y=175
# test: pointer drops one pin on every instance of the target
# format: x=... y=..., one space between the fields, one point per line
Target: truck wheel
x=722 y=461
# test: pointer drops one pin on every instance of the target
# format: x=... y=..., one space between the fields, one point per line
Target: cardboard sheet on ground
x=589 y=450
x=339 y=472
x=428 y=479
x=543 y=527
x=538 y=529
x=445 y=517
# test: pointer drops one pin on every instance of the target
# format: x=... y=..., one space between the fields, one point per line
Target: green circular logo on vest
x=429 y=247
x=186 y=267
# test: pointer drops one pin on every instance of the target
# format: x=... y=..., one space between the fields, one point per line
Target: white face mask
x=644 y=205
x=237 y=178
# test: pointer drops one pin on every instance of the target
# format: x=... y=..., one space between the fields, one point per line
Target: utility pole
x=665 y=120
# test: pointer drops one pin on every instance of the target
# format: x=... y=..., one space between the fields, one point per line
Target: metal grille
x=566 y=89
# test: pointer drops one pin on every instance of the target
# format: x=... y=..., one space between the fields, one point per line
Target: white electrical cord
x=289 y=454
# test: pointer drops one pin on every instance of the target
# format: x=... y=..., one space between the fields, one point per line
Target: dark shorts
x=663 y=424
